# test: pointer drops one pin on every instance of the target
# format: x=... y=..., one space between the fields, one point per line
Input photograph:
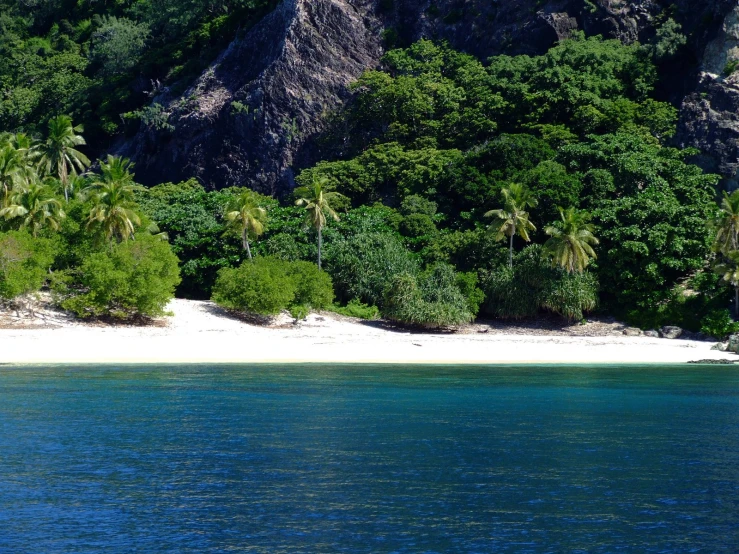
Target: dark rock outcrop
x=257 y=109
x=243 y=119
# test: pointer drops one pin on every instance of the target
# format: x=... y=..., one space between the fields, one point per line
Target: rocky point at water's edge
x=254 y=115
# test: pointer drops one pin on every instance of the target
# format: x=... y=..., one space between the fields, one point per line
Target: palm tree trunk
x=63 y=175
x=510 y=252
x=245 y=239
x=320 y=243
x=736 y=300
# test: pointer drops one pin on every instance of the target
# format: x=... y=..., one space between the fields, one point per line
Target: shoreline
x=198 y=333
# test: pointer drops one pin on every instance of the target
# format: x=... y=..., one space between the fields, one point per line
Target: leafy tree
x=533 y=285
x=572 y=240
x=113 y=201
x=726 y=224
x=362 y=265
x=513 y=217
x=266 y=286
x=318 y=203
x=11 y=171
x=430 y=300
x=24 y=263
x=35 y=207
x=118 y=43
x=59 y=154
x=728 y=269
x=247 y=218
x=125 y=280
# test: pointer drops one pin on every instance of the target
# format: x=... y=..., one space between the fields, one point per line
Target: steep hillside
x=257 y=109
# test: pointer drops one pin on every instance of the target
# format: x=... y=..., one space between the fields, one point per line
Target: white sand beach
x=199 y=332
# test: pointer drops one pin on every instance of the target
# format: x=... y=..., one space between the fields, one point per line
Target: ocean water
x=369 y=459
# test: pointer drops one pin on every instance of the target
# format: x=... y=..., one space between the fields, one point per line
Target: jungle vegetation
x=453 y=188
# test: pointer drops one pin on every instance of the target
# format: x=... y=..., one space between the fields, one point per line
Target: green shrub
x=24 y=263
x=313 y=287
x=467 y=283
x=261 y=287
x=266 y=286
x=134 y=278
x=355 y=308
x=431 y=300
x=363 y=265
x=533 y=285
x=719 y=324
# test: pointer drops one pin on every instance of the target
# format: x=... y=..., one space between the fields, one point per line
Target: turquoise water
x=369 y=459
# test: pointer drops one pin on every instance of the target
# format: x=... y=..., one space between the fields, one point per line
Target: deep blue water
x=369 y=459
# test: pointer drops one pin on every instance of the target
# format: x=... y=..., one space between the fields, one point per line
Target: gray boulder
x=671 y=332
x=733 y=344
x=651 y=333
x=633 y=332
x=721 y=346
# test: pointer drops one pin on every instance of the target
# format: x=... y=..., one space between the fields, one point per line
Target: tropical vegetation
x=451 y=188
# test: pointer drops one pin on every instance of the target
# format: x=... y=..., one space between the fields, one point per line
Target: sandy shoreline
x=198 y=333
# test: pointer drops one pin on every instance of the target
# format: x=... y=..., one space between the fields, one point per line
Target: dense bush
x=719 y=324
x=533 y=284
x=266 y=286
x=262 y=287
x=313 y=287
x=134 y=278
x=429 y=300
x=24 y=263
x=363 y=265
x=357 y=309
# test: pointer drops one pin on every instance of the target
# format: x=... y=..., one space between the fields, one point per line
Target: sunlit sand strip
x=197 y=334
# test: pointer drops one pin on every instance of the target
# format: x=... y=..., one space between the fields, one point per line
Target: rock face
x=257 y=109
x=246 y=116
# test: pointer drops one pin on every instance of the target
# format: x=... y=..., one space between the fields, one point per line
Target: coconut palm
x=36 y=207
x=245 y=216
x=318 y=204
x=572 y=240
x=726 y=224
x=59 y=154
x=728 y=269
x=112 y=194
x=513 y=218
x=12 y=171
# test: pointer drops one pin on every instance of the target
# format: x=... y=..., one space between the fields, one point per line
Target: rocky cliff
x=260 y=105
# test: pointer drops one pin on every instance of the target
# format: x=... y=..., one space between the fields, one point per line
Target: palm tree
x=727 y=224
x=244 y=215
x=513 y=218
x=113 y=200
x=317 y=202
x=12 y=171
x=59 y=153
x=729 y=272
x=36 y=206
x=572 y=240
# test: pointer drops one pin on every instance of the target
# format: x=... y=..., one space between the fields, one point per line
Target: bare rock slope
x=260 y=105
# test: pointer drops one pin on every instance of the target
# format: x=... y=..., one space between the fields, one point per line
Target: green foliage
x=432 y=299
x=89 y=59
x=669 y=40
x=532 y=284
x=266 y=286
x=313 y=287
x=719 y=324
x=193 y=221
x=117 y=44
x=357 y=309
x=133 y=278
x=362 y=266
x=652 y=226
x=24 y=263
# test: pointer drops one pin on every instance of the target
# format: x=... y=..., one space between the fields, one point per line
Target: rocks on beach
x=671 y=332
